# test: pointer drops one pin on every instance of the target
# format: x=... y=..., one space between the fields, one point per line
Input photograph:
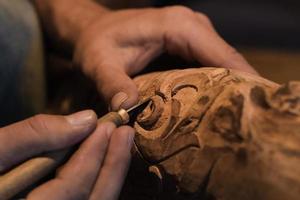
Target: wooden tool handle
x=112 y=117
x=33 y=170
x=29 y=172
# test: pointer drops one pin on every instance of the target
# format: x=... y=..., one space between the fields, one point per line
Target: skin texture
x=109 y=47
x=95 y=171
x=216 y=134
x=114 y=45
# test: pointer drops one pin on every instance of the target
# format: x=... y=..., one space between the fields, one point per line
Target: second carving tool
x=33 y=170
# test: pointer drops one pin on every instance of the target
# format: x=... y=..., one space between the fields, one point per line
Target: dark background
x=260 y=23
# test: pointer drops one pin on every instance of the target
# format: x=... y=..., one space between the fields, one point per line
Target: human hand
x=95 y=171
x=121 y=43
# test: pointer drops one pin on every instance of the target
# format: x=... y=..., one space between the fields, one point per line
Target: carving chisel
x=33 y=170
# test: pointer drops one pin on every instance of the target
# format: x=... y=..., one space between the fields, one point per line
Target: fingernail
x=118 y=99
x=83 y=118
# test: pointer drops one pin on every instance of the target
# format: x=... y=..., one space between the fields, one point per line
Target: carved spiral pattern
x=149 y=118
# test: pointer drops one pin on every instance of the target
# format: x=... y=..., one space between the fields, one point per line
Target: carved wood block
x=217 y=134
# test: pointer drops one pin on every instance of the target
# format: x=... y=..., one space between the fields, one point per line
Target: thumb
x=42 y=133
x=117 y=88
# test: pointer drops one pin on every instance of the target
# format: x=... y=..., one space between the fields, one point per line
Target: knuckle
x=204 y=18
x=178 y=12
x=37 y=125
x=181 y=10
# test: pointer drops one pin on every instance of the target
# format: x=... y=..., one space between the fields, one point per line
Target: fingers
x=212 y=50
x=135 y=37
x=76 y=179
x=197 y=39
x=113 y=172
x=117 y=87
x=41 y=133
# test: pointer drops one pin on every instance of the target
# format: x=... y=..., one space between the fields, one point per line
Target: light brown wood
x=216 y=134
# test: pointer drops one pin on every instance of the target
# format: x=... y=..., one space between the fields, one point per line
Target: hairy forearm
x=64 y=20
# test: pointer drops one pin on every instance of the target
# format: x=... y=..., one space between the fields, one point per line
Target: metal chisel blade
x=134 y=111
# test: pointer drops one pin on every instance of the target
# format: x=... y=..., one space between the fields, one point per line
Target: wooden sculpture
x=218 y=134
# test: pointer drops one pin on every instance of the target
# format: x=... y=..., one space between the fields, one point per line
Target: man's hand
x=95 y=171
x=110 y=46
x=122 y=43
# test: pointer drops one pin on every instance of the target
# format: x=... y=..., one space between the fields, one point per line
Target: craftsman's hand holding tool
x=122 y=43
x=109 y=46
x=95 y=171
